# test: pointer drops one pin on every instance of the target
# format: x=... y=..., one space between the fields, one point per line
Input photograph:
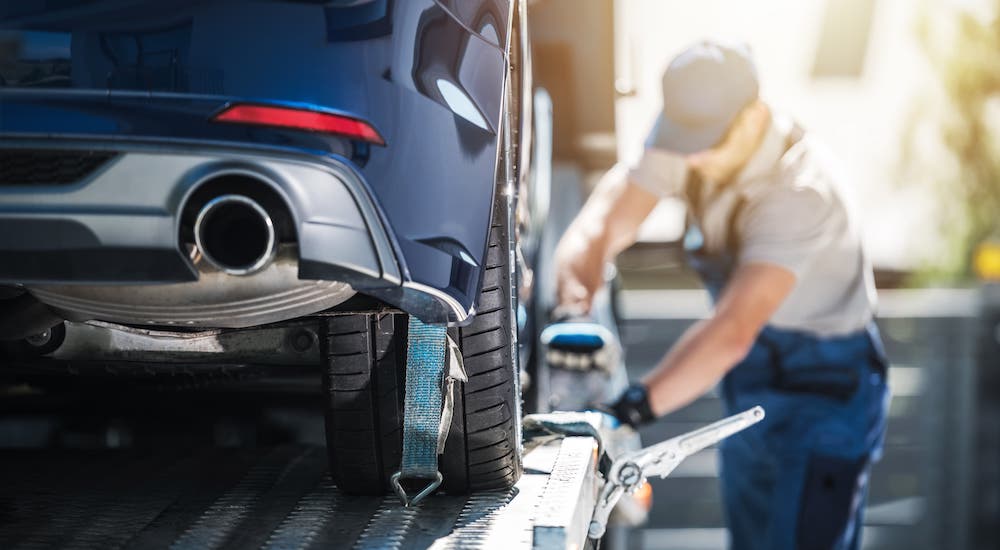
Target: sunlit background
x=905 y=92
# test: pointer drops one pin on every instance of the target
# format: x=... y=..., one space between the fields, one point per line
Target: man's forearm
x=584 y=248
x=696 y=363
x=579 y=267
x=710 y=348
x=606 y=225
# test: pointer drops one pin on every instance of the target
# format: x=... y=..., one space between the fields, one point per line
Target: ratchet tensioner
x=628 y=472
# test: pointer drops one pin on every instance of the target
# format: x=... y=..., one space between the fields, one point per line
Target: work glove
x=580 y=343
x=632 y=407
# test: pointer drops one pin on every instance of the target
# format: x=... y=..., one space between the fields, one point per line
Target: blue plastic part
x=582 y=337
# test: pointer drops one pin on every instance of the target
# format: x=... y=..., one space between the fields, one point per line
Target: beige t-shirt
x=793 y=216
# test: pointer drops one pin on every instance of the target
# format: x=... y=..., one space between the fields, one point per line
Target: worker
x=792 y=325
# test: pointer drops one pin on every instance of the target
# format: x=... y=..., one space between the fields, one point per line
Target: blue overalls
x=799 y=478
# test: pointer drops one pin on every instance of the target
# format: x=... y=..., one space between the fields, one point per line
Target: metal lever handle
x=628 y=472
x=714 y=433
x=661 y=459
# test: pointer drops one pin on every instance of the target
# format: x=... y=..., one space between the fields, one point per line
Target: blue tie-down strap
x=422 y=406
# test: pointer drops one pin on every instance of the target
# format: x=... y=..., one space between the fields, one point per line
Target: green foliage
x=964 y=51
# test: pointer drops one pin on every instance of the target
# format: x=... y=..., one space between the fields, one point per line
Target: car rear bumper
x=118 y=222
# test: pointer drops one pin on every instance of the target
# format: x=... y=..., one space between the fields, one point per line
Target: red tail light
x=287 y=117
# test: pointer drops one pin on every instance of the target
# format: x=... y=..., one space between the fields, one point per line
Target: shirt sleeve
x=660 y=172
x=788 y=227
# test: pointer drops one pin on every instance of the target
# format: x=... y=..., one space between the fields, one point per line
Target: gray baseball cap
x=704 y=88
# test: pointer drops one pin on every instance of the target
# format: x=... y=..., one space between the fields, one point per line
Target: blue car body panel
x=429 y=75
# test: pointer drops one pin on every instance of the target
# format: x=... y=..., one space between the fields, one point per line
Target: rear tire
x=487 y=422
x=364 y=364
x=364 y=357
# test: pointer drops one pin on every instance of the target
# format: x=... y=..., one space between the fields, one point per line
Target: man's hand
x=632 y=406
x=605 y=226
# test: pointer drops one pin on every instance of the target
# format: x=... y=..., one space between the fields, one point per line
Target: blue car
x=197 y=184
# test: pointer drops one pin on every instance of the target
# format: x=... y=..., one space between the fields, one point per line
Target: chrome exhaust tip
x=235 y=234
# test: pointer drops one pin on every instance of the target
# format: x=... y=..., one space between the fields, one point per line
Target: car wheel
x=363 y=377
x=365 y=356
x=483 y=448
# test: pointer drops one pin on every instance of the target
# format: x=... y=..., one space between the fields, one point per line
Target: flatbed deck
x=276 y=497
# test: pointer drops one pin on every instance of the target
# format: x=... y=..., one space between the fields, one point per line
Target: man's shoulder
x=806 y=173
x=802 y=192
x=809 y=162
